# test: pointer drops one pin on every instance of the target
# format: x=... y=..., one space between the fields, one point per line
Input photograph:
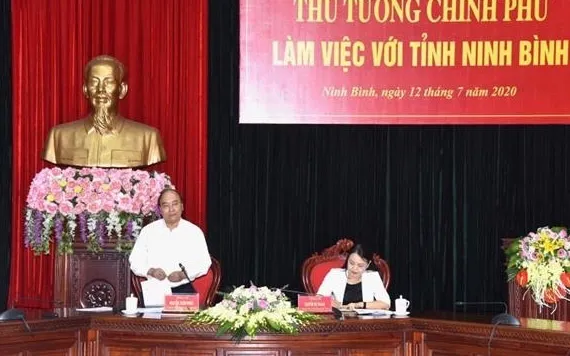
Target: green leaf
x=223 y=328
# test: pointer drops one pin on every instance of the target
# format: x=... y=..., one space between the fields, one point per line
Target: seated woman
x=355 y=286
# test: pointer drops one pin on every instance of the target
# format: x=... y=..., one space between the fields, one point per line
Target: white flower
x=248 y=310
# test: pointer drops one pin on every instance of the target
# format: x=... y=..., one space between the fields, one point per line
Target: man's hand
x=157 y=273
x=352 y=306
x=176 y=276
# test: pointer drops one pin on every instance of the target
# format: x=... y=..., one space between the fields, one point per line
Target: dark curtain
x=434 y=201
x=5 y=148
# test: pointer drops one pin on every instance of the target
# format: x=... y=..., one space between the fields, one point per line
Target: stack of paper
x=373 y=312
x=154 y=291
x=96 y=309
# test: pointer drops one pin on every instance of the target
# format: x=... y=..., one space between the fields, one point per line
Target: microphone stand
x=184 y=271
x=504 y=318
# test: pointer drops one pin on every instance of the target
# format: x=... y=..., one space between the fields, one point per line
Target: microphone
x=338 y=315
x=14 y=314
x=37 y=304
x=184 y=271
x=298 y=292
x=504 y=318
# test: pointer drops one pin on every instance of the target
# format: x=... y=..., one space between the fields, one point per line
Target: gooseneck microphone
x=504 y=318
x=184 y=271
x=298 y=292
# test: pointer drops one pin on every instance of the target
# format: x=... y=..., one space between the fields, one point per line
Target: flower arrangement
x=246 y=311
x=540 y=261
x=94 y=204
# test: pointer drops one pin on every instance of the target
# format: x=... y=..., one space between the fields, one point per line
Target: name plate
x=314 y=303
x=182 y=303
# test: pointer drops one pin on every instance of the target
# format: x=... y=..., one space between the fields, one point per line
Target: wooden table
x=430 y=334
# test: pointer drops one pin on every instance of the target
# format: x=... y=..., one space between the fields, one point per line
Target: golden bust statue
x=104 y=138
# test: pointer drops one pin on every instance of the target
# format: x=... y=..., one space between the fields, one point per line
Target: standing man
x=166 y=243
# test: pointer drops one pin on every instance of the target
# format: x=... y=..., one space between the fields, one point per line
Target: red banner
x=405 y=61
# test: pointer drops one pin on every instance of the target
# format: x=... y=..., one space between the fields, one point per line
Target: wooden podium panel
x=438 y=334
x=85 y=279
x=522 y=305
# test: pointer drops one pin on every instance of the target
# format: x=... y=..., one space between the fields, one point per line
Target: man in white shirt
x=165 y=244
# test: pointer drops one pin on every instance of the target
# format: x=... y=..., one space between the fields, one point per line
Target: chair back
x=316 y=267
x=207 y=285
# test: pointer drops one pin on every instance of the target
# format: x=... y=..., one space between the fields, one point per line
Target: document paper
x=154 y=291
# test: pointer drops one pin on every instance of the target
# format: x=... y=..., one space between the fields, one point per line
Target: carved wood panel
x=132 y=350
x=382 y=351
x=185 y=352
x=315 y=352
x=85 y=279
x=447 y=345
x=256 y=352
x=45 y=348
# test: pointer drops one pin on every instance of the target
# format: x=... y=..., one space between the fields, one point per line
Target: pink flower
x=56 y=171
x=116 y=186
x=66 y=208
x=108 y=205
x=136 y=207
x=127 y=186
x=533 y=236
x=59 y=197
x=84 y=188
x=94 y=206
x=35 y=202
x=85 y=171
x=92 y=196
x=141 y=175
x=146 y=209
x=69 y=173
x=125 y=204
x=98 y=173
x=262 y=304
x=96 y=185
x=70 y=185
x=50 y=207
x=54 y=186
x=72 y=191
x=79 y=208
x=70 y=195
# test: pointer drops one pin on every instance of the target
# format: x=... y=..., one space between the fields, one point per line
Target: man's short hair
x=166 y=190
x=106 y=59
